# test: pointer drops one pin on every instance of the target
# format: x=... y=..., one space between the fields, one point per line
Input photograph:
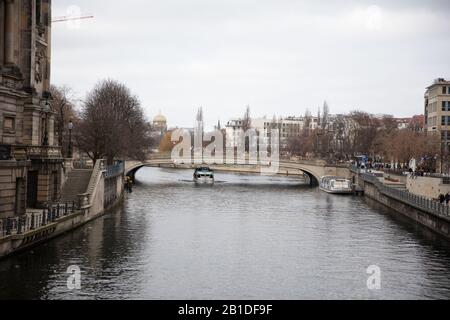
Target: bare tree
x=364 y=131
x=63 y=106
x=402 y=145
x=300 y=145
x=341 y=139
x=388 y=123
x=113 y=124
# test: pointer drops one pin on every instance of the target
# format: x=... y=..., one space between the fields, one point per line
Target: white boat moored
x=333 y=184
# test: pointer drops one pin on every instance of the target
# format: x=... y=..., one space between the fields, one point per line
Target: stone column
x=9 y=31
x=2 y=30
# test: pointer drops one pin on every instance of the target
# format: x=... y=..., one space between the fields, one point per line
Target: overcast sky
x=279 y=56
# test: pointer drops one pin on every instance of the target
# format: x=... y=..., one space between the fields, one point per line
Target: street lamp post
x=69 y=150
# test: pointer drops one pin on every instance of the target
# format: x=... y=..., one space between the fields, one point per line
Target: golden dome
x=159 y=118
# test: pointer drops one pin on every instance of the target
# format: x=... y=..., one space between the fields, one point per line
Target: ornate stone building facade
x=30 y=161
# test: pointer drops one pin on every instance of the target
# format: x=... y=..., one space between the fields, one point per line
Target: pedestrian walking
x=447 y=198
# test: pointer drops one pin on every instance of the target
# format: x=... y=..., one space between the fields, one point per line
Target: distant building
x=403 y=123
x=232 y=129
x=160 y=123
x=287 y=127
x=417 y=122
x=158 y=129
x=437 y=109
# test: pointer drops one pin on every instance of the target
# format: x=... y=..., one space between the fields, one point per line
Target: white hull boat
x=337 y=185
x=203 y=175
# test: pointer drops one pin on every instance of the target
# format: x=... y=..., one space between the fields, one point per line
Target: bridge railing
x=423 y=203
x=285 y=159
x=115 y=170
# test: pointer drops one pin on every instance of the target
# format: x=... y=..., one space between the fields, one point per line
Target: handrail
x=115 y=169
x=99 y=167
x=423 y=203
x=34 y=220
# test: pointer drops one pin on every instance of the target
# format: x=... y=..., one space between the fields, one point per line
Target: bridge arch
x=313 y=169
x=313 y=175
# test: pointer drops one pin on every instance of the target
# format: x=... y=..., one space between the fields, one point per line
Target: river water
x=245 y=237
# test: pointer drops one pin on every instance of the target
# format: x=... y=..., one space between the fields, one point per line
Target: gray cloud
x=278 y=56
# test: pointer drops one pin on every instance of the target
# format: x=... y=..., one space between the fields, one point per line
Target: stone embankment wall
x=436 y=219
x=429 y=187
x=105 y=190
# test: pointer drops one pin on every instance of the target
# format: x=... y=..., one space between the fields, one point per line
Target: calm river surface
x=248 y=237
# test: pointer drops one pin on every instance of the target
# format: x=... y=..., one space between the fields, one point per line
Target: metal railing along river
x=417 y=201
x=34 y=220
x=115 y=169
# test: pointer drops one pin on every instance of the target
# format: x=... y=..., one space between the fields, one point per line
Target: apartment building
x=437 y=109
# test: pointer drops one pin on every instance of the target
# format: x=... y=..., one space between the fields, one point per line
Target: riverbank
x=104 y=192
x=426 y=212
x=17 y=243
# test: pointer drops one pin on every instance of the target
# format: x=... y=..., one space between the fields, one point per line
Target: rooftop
x=439 y=81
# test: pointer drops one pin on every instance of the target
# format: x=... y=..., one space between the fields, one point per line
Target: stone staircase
x=397 y=186
x=77 y=183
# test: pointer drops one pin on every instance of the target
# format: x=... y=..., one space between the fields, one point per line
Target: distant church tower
x=218 y=127
x=160 y=124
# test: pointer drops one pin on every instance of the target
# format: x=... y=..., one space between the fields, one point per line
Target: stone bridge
x=314 y=169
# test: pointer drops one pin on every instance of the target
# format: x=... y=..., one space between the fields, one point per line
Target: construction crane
x=69 y=18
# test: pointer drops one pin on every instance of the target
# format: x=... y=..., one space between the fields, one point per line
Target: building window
x=38 y=12
x=9 y=124
x=444 y=90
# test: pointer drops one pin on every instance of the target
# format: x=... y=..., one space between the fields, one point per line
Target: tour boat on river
x=203 y=175
x=333 y=184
